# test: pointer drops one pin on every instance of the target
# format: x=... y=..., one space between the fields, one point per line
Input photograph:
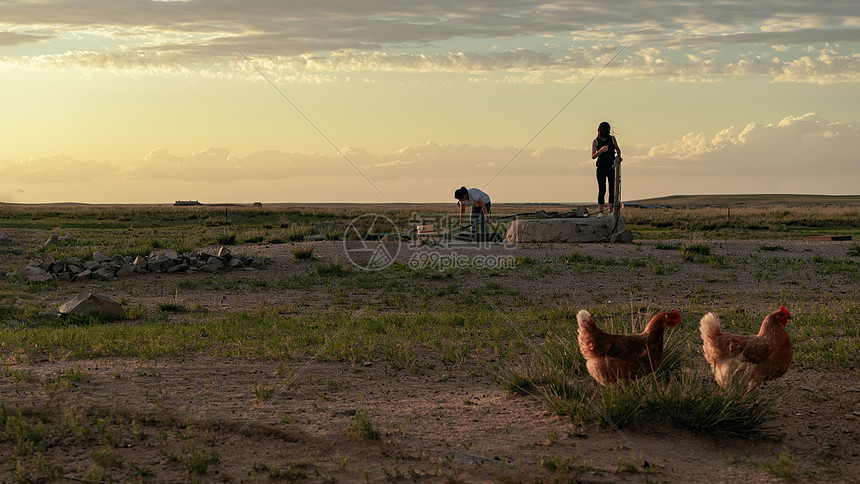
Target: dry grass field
x=452 y=362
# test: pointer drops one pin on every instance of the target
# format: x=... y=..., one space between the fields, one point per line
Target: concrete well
x=568 y=230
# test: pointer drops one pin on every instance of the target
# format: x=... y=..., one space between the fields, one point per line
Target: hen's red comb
x=784 y=311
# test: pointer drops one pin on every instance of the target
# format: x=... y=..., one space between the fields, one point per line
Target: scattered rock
x=103 y=274
x=125 y=271
x=208 y=268
x=107 y=268
x=314 y=238
x=89 y=303
x=33 y=273
x=139 y=262
x=183 y=267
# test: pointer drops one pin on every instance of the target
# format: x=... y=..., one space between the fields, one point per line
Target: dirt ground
x=456 y=425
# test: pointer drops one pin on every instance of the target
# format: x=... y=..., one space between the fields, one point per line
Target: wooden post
x=616 y=204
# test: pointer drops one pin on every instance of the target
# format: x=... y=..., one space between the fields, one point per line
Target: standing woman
x=605 y=149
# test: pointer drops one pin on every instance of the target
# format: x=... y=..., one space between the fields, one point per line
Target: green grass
x=361 y=428
x=784 y=467
x=303 y=252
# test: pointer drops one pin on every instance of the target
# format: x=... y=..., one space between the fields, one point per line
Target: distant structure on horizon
x=187 y=202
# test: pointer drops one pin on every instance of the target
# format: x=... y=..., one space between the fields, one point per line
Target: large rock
x=564 y=230
x=89 y=303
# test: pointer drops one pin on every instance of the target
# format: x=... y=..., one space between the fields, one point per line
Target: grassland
x=315 y=370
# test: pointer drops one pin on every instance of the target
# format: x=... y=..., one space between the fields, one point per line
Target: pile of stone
x=107 y=268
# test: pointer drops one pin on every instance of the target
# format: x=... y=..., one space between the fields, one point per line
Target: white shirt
x=476 y=194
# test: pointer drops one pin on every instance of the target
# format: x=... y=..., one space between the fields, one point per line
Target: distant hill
x=749 y=200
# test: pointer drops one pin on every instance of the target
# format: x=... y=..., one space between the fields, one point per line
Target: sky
x=375 y=101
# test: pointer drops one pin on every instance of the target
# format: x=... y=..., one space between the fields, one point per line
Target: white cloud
x=806 y=147
x=53 y=169
x=312 y=41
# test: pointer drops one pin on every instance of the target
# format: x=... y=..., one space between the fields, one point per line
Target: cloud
x=218 y=164
x=428 y=160
x=803 y=153
x=306 y=41
x=54 y=169
x=12 y=38
x=805 y=147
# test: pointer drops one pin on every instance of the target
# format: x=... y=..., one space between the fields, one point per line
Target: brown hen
x=613 y=357
x=756 y=359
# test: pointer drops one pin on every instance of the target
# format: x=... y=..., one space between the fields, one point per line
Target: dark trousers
x=605 y=176
x=478 y=218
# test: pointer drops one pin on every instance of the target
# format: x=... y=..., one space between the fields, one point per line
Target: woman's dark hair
x=460 y=193
x=603 y=130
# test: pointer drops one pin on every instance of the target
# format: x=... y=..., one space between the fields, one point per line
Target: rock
x=140 y=262
x=91 y=265
x=125 y=271
x=235 y=264
x=6 y=240
x=224 y=252
x=34 y=274
x=258 y=263
x=117 y=261
x=98 y=257
x=45 y=264
x=625 y=237
x=171 y=254
x=160 y=263
x=183 y=267
x=216 y=261
x=89 y=303
x=85 y=274
x=208 y=268
x=314 y=238
x=103 y=274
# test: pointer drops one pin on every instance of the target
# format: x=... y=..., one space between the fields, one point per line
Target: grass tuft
x=303 y=252
x=361 y=428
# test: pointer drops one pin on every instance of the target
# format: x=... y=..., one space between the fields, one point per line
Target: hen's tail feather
x=583 y=317
x=709 y=327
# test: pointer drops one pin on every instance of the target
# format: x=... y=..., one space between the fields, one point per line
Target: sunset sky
x=109 y=101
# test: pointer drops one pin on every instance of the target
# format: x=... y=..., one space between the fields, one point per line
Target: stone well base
x=568 y=230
